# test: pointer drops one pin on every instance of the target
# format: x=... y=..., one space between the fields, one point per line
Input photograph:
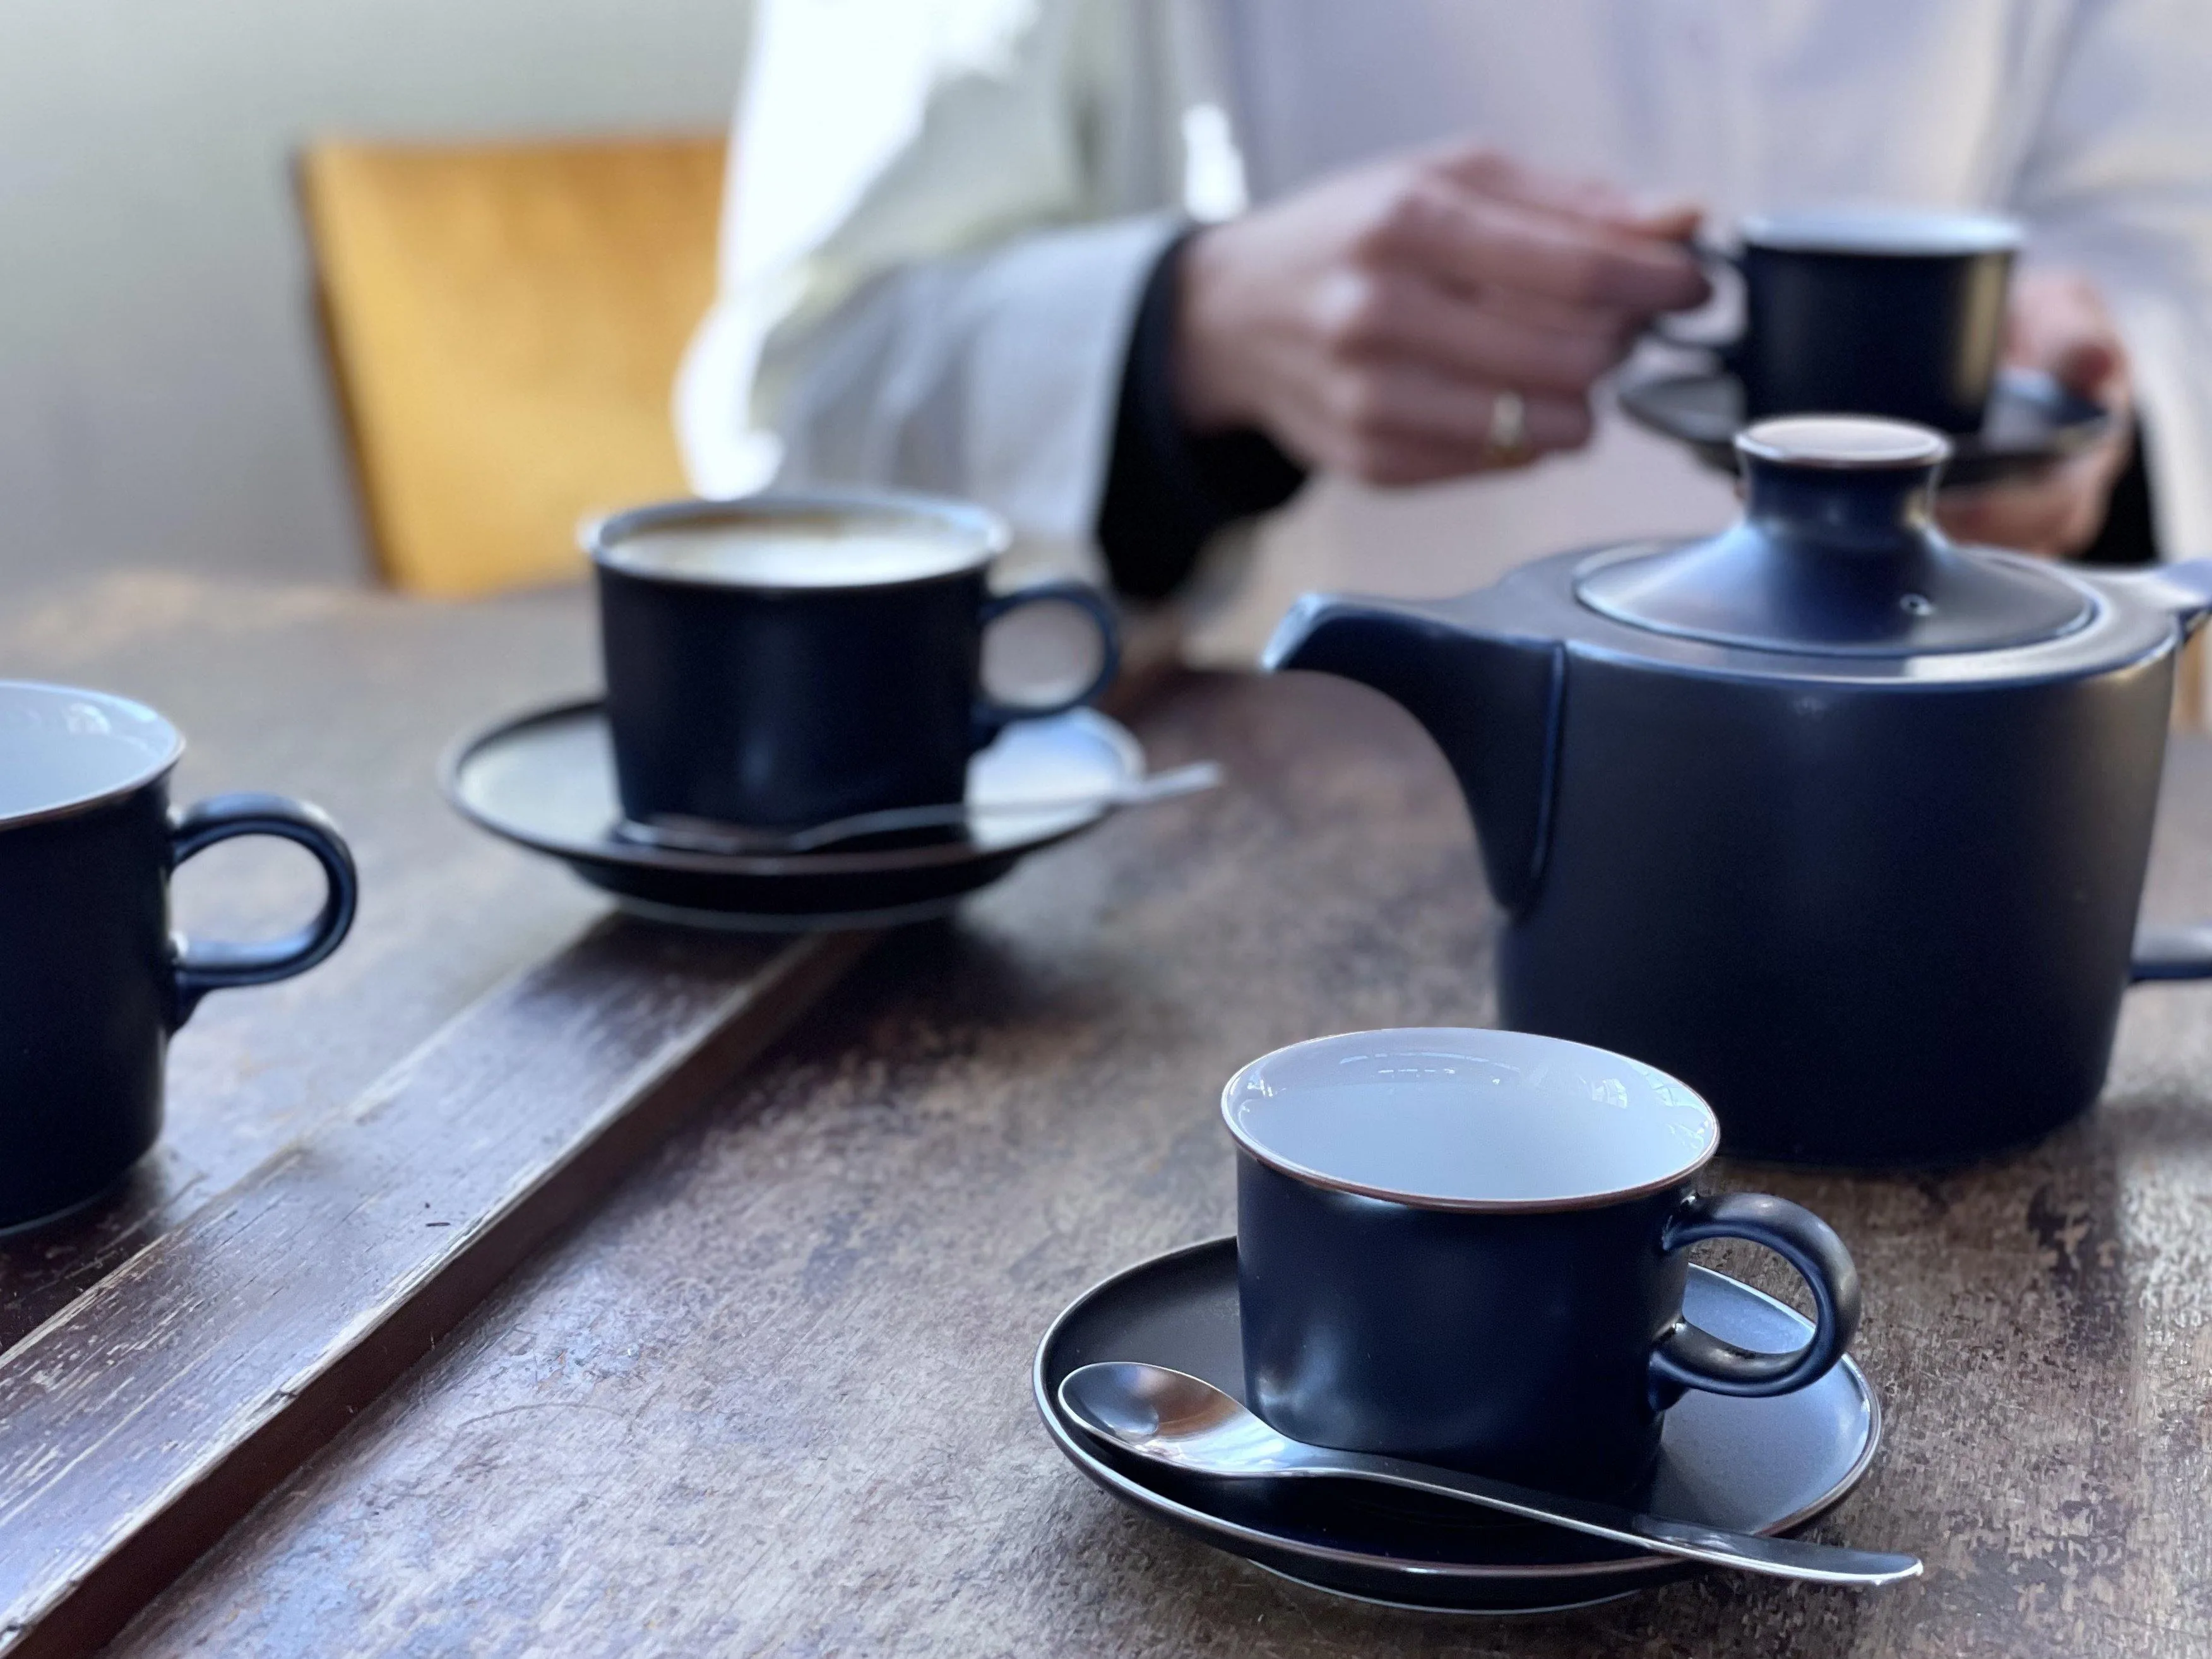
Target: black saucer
x=2033 y=422
x=545 y=779
x=1765 y=1466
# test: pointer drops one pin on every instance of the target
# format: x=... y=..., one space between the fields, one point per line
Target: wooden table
x=344 y=699
x=773 y=1396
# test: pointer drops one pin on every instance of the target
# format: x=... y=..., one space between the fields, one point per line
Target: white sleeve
x=2118 y=183
x=933 y=249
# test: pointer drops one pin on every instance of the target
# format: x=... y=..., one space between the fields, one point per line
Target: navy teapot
x=1841 y=823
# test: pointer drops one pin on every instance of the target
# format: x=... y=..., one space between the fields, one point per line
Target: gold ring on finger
x=1507 y=440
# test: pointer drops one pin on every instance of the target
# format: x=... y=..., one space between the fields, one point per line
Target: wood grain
x=344 y=698
x=773 y=1399
x=149 y=1414
x=172 y=1355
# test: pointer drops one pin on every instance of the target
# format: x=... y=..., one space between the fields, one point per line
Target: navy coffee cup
x=91 y=982
x=1857 y=312
x=783 y=660
x=1466 y=1247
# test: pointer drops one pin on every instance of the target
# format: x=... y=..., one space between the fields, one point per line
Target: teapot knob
x=1843 y=484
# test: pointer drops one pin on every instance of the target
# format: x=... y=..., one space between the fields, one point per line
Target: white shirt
x=940 y=214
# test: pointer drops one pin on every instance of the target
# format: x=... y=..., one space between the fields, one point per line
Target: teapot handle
x=2170 y=953
x=2184 y=588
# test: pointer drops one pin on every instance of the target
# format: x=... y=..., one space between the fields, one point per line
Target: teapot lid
x=1837 y=553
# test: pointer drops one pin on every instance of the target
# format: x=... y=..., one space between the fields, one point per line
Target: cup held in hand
x=1898 y=312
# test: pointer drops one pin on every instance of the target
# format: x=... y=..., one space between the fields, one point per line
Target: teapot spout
x=1489 y=700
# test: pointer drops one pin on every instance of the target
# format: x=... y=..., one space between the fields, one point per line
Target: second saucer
x=2033 y=422
x=545 y=781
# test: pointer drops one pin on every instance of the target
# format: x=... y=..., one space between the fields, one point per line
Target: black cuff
x=2130 y=533
x=1168 y=488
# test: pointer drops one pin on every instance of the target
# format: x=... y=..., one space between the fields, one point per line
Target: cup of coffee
x=1897 y=313
x=1466 y=1247
x=91 y=982
x=784 y=660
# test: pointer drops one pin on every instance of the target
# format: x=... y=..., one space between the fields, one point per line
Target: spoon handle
x=1780 y=1558
x=706 y=836
x=1142 y=791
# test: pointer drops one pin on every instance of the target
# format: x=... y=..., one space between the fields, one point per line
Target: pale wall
x=161 y=400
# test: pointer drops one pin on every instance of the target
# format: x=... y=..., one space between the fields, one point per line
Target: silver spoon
x=700 y=834
x=1185 y=1422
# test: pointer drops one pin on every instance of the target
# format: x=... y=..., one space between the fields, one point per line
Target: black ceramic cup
x=91 y=982
x=1466 y=1247
x=785 y=661
x=1898 y=313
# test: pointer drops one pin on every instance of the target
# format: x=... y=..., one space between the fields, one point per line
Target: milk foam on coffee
x=797 y=552
x=1470 y=1119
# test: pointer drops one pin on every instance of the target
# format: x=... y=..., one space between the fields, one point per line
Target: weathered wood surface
x=345 y=699
x=158 y=1407
x=773 y=1399
x=190 y=1341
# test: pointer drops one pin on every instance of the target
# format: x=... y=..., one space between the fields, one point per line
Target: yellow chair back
x=504 y=324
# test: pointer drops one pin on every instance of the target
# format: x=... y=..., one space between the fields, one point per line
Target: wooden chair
x=504 y=323
x=2188 y=689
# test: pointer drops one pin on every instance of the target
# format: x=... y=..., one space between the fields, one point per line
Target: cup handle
x=1687 y=1357
x=990 y=714
x=1716 y=260
x=201 y=967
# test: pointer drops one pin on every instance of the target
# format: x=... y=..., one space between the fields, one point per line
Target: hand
x=2059 y=325
x=1370 y=323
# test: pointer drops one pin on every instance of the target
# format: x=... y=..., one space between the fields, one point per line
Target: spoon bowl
x=1172 y=1417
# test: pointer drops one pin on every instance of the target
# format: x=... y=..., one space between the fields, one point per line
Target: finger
x=1397 y=463
x=2086 y=366
x=1394 y=460
x=2054 y=515
x=2057 y=323
x=1311 y=432
x=1494 y=173
x=1376 y=316
x=1666 y=218
x=1670 y=220
x=1539 y=311
x=1380 y=437
x=2024 y=519
x=1476 y=240
x=1414 y=401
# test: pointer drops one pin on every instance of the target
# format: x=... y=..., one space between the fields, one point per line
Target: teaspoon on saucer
x=1171 y=1417
x=703 y=836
